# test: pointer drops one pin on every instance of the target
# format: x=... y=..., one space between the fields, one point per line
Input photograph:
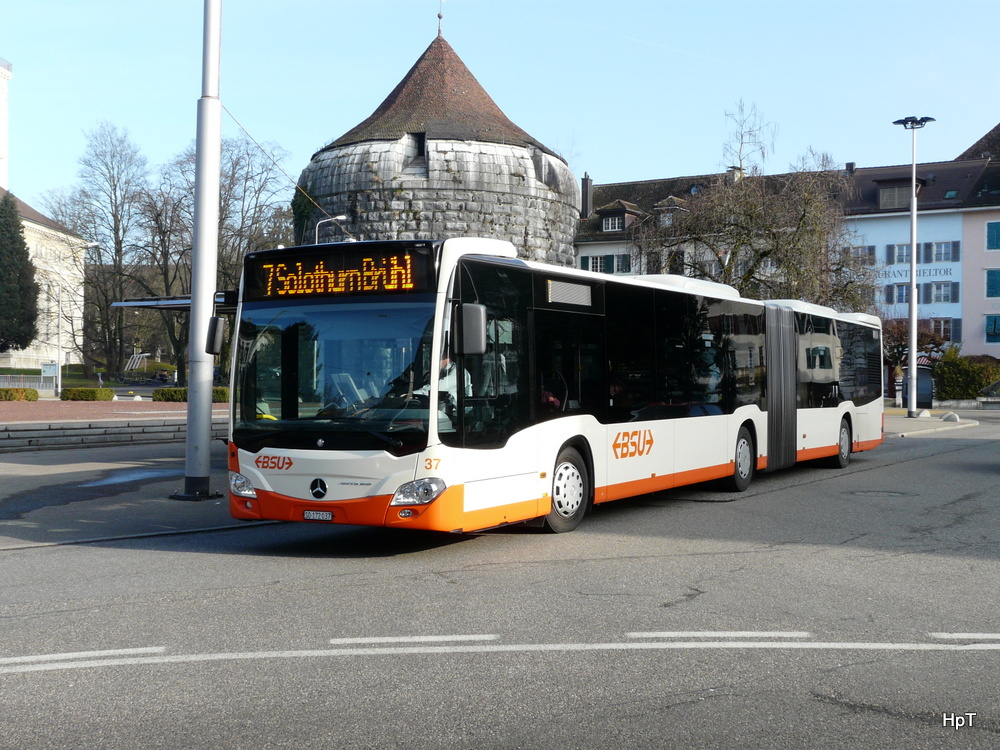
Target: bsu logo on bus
x=635 y=443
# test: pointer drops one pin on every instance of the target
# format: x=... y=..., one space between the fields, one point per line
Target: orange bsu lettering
x=281 y=463
x=635 y=443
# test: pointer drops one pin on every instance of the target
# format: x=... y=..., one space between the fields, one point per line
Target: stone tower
x=439 y=159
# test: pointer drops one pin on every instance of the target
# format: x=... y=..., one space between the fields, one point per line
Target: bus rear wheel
x=570 y=492
x=743 y=459
x=843 y=457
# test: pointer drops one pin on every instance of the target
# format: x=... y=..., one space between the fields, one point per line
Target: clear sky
x=624 y=89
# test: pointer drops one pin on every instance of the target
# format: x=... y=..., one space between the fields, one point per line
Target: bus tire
x=843 y=457
x=570 y=492
x=743 y=461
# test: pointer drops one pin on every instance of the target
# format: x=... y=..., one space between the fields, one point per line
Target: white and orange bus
x=451 y=386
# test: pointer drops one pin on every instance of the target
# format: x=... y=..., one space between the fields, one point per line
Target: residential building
x=58 y=257
x=958 y=235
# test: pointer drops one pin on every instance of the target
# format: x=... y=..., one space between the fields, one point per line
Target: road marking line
x=722 y=634
x=500 y=649
x=412 y=639
x=81 y=655
x=966 y=636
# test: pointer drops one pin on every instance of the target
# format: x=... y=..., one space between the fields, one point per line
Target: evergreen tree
x=18 y=288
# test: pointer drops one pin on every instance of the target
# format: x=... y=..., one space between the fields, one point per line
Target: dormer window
x=613 y=223
x=894 y=197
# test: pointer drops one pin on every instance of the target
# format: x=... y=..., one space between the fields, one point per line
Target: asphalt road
x=820 y=609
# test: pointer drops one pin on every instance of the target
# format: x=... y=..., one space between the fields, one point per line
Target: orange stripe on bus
x=665 y=482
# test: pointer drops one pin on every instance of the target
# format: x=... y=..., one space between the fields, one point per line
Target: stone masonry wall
x=389 y=191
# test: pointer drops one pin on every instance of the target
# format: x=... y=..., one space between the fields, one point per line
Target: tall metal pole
x=913 y=124
x=204 y=261
x=911 y=357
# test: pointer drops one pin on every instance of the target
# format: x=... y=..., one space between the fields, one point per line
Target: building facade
x=958 y=236
x=58 y=257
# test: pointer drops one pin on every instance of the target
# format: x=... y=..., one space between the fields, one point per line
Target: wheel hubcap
x=743 y=458
x=567 y=490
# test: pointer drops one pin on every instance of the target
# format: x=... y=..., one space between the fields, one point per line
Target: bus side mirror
x=216 y=334
x=473 y=329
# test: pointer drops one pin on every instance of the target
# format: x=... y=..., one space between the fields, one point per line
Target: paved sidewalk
x=897 y=424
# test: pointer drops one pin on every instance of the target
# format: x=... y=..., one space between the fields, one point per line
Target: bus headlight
x=419 y=492
x=240 y=485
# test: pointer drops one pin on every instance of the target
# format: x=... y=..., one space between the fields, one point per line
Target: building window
x=950 y=194
x=993 y=283
x=897 y=294
x=942 y=327
x=993 y=235
x=613 y=224
x=897 y=254
x=993 y=329
x=894 y=197
x=942 y=252
x=864 y=253
x=941 y=291
x=667 y=219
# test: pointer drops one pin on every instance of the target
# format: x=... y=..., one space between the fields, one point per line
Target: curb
x=945 y=428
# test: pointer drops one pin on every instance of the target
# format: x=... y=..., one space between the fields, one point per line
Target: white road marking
x=81 y=655
x=732 y=645
x=722 y=634
x=411 y=639
x=966 y=636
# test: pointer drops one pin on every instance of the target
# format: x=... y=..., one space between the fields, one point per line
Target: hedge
x=220 y=395
x=88 y=394
x=963 y=378
x=18 y=394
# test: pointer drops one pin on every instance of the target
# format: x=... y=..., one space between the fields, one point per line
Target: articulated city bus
x=451 y=386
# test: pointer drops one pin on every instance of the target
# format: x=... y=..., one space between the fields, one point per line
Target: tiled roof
x=960 y=180
x=439 y=96
x=640 y=196
x=987 y=146
x=27 y=213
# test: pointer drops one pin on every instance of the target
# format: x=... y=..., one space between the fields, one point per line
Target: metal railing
x=38 y=382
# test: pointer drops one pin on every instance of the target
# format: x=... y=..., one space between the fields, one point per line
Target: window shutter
x=993 y=283
x=890 y=254
x=585 y=262
x=609 y=264
x=928 y=293
x=993 y=235
x=871 y=255
x=956 y=251
x=954 y=291
x=928 y=253
x=956 y=330
x=890 y=295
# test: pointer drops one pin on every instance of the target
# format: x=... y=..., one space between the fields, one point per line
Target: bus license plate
x=318 y=515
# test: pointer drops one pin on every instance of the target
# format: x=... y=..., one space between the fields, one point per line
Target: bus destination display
x=277 y=275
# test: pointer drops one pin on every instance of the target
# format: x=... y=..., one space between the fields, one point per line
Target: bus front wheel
x=743 y=460
x=570 y=492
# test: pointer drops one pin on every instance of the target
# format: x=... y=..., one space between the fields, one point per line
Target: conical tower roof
x=440 y=97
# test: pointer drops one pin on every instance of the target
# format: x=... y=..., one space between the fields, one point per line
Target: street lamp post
x=913 y=124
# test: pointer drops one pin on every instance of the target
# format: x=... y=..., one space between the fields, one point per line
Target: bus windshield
x=339 y=375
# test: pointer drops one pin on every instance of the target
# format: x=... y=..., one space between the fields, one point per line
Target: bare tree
x=770 y=236
x=104 y=209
